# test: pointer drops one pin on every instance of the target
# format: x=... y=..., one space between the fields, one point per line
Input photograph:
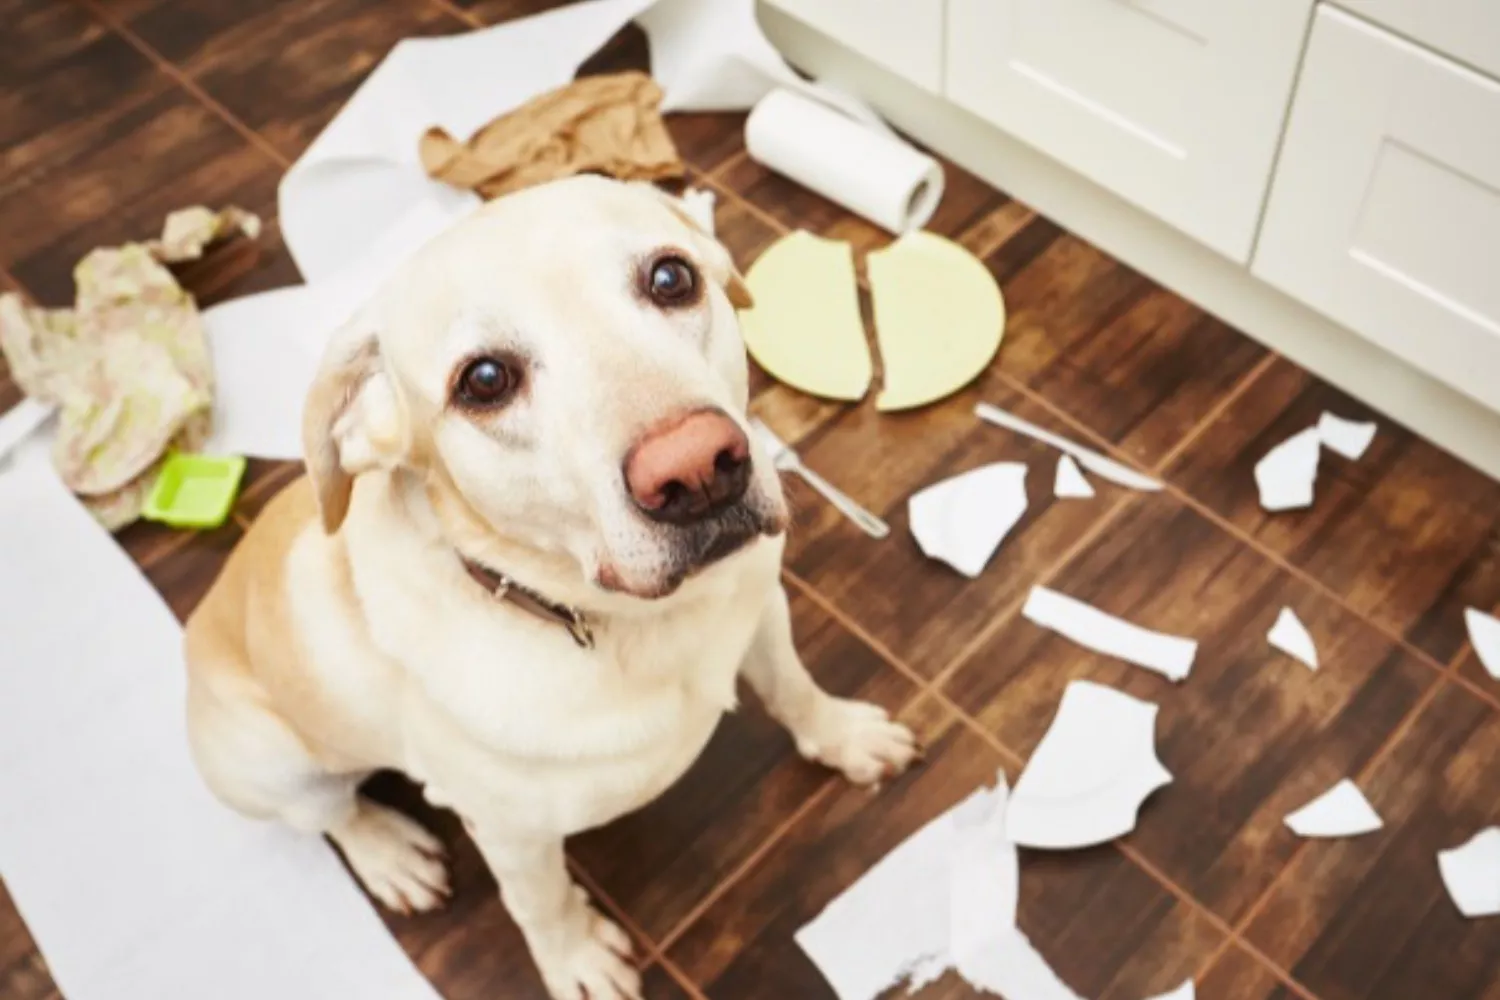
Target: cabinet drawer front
x=1467 y=30
x=903 y=36
x=1385 y=210
x=1175 y=105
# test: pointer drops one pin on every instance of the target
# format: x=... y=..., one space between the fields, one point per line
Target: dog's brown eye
x=672 y=281
x=486 y=382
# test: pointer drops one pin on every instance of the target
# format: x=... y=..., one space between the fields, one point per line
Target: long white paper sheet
x=944 y=899
x=134 y=881
x=1169 y=655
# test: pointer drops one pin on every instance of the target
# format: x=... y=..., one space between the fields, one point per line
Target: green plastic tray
x=195 y=491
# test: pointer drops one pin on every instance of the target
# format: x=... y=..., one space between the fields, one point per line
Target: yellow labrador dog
x=534 y=550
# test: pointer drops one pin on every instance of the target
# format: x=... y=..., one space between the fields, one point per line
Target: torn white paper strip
x=20 y=422
x=1285 y=475
x=1169 y=655
x=1099 y=465
x=1484 y=635
x=1346 y=437
x=135 y=882
x=1342 y=811
x=944 y=899
x=1471 y=874
x=1069 y=481
x=963 y=520
x=1292 y=638
x=361 y=173
x=1089 y=776
x=1184 y=992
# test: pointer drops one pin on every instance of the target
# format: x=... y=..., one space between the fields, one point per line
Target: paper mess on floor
x=963 y=520
x=1285 y=475
x=1484 y=635
x=1069 y=482
x=1471 y=874
x=805 y=328
x=939 y=318
x=1168 y=655
x=943 y=900
x=1184 y=992
x=1345 y=437
x=1290 y=636
x=126 y=367
x=699 y=203
x=1092 y=771
x=596 y=124
x=1342 y=811
x=174 y=895
x=1099 y=465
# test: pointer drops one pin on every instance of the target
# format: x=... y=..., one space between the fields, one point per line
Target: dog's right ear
x=353 y=420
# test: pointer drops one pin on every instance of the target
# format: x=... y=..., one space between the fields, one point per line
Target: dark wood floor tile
x=1133 y=362
x=1238 y=976
x=658 y=863
x=921 y=609
x=1408 y=534
x=118 y=180
x=1471 y=669
x=265 y=479
x=15 y=939
x=184 y=575
x=1368 y=918
x=742 y=232
x=1250 y=736
x=285 y=67
x=1108 y=929
x=658 y=984
x=495 y=11
x=240 y=267
x=707 y=140
x=966 y=200
x=28 y=979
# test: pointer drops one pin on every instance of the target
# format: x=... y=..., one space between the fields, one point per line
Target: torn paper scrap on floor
x=1169 y=655
x=1349 y=438
x=1291 y=637
x=1099 y=465
x=1285 y=475
x=1069 y=481
x=944 y=899
x=1184 y=992
x=1471 y=874
x=135 y=882
x=1092 y=771
x=1484 y=635
x=1342 y=811
x=699 y=203
x=963 y=520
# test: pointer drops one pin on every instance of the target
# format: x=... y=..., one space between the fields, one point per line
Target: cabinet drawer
x=1468 y=30
x=1176 y=105
x=903 y=36
x=1385 y=210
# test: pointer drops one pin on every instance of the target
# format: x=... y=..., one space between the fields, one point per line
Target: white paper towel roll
x=872 y=174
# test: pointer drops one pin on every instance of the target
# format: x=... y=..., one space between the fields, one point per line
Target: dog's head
x=564 y=365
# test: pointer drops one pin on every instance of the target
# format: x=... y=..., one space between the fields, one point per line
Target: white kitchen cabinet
x=904 y=36
x=1385 y=208
x=1467 y=30
x=1175 y=105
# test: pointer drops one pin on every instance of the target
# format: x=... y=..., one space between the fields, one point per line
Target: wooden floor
x=117 y=111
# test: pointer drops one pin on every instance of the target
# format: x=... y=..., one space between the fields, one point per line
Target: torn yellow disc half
x=939 y=318
x=804 y=328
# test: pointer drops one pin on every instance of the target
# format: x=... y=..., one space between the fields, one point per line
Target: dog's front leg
x=581 y=955
x=854 y=737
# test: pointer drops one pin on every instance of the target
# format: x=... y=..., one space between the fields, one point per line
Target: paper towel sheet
x=134 y=881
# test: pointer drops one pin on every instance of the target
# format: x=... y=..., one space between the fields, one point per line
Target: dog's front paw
x=859 y=739
x=593 y=963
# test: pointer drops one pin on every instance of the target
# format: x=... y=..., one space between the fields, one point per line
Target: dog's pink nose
x=689 y=469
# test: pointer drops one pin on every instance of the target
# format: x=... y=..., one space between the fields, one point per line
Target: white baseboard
x=1441 y=414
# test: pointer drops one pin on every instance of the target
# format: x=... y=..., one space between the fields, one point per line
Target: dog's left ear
x=727 y=274
x=353 y=420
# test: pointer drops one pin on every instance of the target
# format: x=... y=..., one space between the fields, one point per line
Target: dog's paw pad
x=396 y=860
x=861 y=740
x=595 y=967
